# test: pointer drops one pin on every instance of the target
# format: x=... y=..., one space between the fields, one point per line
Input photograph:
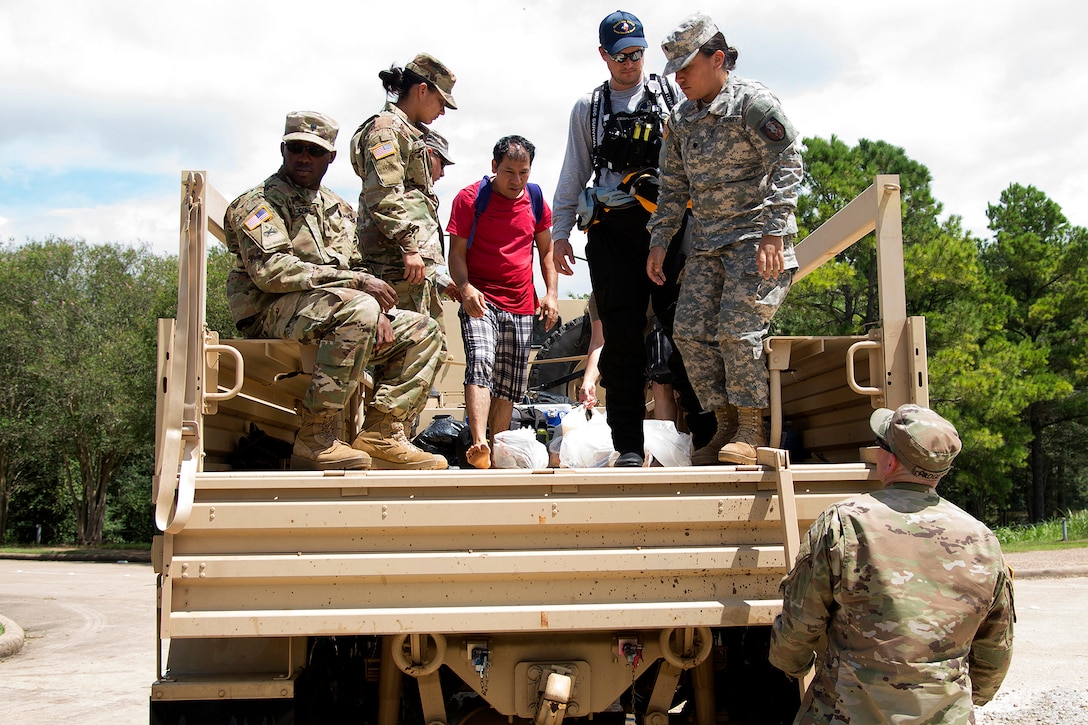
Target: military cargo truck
x=469 y=596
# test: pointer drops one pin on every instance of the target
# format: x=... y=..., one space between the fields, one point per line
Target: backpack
x=631 y=140
x=483 y=196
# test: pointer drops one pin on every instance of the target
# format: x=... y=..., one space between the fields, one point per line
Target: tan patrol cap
x=313 y=127
x=923 y=441
x=440 y=145
x=681 y=45
x=438 y=75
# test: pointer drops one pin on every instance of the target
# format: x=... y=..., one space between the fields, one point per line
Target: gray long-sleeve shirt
x=578 y=169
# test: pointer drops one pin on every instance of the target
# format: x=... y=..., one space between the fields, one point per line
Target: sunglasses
x=634 y=56
x=315 y=151
x=880 y=442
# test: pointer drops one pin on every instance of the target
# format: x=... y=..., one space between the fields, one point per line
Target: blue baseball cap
x=621 y=30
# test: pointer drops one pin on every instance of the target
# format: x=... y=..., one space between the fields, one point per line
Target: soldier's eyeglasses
x=315 y=151
x=634 y=56
x=880 y=442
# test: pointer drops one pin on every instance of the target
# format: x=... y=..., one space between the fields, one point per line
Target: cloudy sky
x=104 y=103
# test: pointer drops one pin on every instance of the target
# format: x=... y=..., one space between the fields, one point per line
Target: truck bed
x=488 y=585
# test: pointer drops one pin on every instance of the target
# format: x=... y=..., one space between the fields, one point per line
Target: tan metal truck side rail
x=887 y=368
x=879 y=209
x=181 y=396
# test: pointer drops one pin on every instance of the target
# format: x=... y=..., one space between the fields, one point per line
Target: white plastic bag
x=519 y=449
x=576 y=418
x=588 y=445
x=668 y=446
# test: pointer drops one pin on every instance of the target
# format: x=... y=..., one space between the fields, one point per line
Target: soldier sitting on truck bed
x=298 y=275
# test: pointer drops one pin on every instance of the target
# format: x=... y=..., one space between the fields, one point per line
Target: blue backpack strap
x=536 y=196
x=483 y=196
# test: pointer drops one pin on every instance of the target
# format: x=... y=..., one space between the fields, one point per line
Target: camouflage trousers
x=342 y=322
x=722 y=316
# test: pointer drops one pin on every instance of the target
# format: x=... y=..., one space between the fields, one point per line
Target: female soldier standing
x=398 y=227
x=731 y=151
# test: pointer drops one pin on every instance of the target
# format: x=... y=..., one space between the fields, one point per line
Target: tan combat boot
x=383 y=438
x=318 y=449
x=742 y=449
x=727 y=428
x=440 y=462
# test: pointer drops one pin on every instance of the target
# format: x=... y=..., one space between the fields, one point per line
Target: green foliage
x=1005 y=321
x=220 y=262
x=130 y=517
x=89 y=362
x=841 y=298
x=1038 y=267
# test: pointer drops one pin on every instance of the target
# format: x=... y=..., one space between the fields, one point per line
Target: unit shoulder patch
x=773 y=129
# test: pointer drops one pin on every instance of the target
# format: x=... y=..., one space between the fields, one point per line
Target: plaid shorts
x=497 y=349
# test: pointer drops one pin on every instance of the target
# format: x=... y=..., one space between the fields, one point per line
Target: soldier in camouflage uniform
x=298 y=275
x=902 y=600
x=438 y=151
x=398 y=223
x=732 y=152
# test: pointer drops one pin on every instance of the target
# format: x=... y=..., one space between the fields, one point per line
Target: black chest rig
x=631 y=140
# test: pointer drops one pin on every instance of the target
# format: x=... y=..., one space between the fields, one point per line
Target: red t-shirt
x=500 y=260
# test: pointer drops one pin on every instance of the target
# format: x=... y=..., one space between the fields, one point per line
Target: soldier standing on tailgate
x=438 y=150
x=730 y=150
x=298 y=275
x=398 y=208
x=904 y=600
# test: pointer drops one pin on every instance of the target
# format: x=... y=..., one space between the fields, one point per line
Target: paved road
x=90 y=649
x=1048 y=680
x=89 y=655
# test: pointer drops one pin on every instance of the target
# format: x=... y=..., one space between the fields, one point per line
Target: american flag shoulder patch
x=382 y=150
x=257 y=218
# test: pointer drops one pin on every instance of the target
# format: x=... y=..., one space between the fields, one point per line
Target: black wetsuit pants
x=616 y=251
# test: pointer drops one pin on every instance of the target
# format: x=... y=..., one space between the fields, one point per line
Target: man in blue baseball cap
x=614 y=140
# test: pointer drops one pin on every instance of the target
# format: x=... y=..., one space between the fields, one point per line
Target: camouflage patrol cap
x=440 y=145
x=438 y=75
x=681 y=45
x=923 y=441
x=313 y=127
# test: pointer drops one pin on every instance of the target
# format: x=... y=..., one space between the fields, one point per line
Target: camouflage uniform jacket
x=736 y=159
x=398 y=208
x=909 y=602
x=288 y=239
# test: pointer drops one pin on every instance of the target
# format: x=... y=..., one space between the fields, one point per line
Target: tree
x=17 y=413
x=90 y=364
x=1039 y=266
x=840 y=298
x=220 y=262
x=975 y=374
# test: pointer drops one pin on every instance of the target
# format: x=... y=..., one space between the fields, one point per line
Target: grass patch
x=31 y=548
x=1045 y=535
x=1044 y=546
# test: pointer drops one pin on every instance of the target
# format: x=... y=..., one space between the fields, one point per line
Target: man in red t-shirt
x=495 y=278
